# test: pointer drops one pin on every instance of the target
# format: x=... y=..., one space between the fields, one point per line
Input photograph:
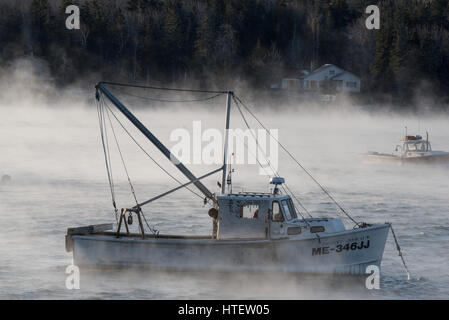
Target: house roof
x=328 y=65
x=344 y=72
x=324 y=66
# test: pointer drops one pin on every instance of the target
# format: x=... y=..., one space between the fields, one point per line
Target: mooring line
x=400 y=252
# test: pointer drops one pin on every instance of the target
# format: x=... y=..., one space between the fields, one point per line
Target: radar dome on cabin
x=276 y=181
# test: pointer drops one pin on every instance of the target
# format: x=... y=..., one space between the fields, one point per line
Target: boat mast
x=225 y=147
x=156 y=141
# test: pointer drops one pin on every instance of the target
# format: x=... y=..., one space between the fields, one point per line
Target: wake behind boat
x=251 y=231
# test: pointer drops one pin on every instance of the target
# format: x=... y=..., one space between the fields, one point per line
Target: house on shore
x=327 y=78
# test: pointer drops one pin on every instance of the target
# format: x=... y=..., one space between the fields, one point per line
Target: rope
x=160 y=88
x=106 y=155
x=154 y=231
x=298 y=163
x=269 y=163
x=400 y=252
x=164 y=100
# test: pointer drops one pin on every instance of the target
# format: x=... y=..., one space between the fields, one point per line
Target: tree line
x=211 y=42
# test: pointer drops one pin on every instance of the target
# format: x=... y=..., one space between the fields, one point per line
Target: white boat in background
x=411 y=150
x=251 y=231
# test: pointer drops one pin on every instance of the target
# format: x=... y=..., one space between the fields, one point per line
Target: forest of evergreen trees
x=216 y=41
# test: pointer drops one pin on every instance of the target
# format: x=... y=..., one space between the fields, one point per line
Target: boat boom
x=100 y=87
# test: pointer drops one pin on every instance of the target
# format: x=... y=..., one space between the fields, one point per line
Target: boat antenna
x=229 y=178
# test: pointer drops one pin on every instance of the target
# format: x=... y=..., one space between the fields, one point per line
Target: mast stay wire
x=299 y=164
x=172 y=101
x=284 y=186
x=153 y=230
x=260 y=165
x=105 y=144
x=162 y=89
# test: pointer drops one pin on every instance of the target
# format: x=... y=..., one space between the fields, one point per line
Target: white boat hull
x=436 y=158
x=347 y=252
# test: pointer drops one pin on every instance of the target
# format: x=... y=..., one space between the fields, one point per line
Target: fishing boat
x=251 y=231
x=411 y=150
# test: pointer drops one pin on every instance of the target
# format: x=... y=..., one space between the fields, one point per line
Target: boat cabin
x=253 y=215
x=413 y=144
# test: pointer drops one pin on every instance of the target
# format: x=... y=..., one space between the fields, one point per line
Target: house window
x=332 y=72
x=292 y=83
x=351 y=84
x=313 y=84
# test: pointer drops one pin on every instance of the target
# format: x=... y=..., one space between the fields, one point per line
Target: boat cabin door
x=278 y=229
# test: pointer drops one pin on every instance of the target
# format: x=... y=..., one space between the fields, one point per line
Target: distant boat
x=412 y=149
x=251 y=231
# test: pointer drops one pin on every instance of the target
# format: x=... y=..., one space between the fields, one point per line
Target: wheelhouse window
x=418 y=146
x=411 y=147
x=422 y=146
x=289 y=209
x=277 y=213
x=249 y=211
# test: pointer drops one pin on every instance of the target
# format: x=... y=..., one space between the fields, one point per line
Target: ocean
x=53 y=154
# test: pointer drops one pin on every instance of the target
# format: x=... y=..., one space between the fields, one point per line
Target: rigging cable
x=165 y=100
x=107 y=159
x=148 y=155
x=162 y=89
x=299 y=164
x=284 y=186
x=153 y=230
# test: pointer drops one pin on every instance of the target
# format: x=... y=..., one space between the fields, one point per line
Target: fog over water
x=53 y=154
